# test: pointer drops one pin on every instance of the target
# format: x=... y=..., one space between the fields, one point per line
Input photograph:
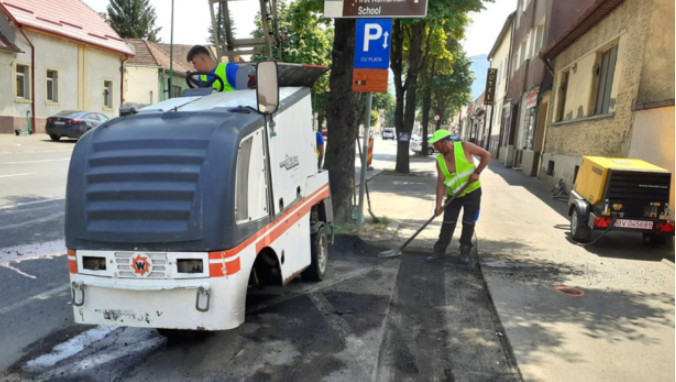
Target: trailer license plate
x=638 y=224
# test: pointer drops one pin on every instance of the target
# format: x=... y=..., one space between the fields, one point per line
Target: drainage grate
x=570 y=291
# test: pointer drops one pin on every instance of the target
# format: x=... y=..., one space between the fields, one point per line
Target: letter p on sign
x=371 y=32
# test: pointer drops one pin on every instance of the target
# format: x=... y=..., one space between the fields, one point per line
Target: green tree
x=410 y=50
x=133 y=19
x=450 y=92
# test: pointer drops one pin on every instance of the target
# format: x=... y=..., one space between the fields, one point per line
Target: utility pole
x=171 y=52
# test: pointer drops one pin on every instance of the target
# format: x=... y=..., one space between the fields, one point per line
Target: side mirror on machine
x=267 y=87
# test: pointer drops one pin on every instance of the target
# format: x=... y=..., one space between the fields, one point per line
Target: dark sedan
x=72 y=123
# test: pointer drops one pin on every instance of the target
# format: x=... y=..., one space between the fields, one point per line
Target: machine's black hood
x=156 y=181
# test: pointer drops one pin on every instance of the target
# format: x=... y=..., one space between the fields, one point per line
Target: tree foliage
x=414 y=42
x=133 y=19
x=307 y=39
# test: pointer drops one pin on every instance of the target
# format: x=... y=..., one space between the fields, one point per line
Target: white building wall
x=81 y=71
x=141 y=84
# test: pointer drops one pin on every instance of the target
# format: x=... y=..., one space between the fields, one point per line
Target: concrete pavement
x=622 y=329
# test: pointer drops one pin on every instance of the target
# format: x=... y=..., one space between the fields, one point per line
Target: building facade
x=147 y=74
x=499 y=59
x=614 y=88
x=537 y=23
x=56 y=58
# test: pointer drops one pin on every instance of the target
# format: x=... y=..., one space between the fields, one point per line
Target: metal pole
x=364 y=153
x=490 y=130
x=171 y=52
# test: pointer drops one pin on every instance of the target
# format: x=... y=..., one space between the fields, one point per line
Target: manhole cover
x=570 y=291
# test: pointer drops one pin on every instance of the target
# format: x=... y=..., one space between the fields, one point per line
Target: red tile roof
x=151 y=54
x=72 y=19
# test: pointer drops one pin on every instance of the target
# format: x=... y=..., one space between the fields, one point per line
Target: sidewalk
x=38 y=142
x=622 y=329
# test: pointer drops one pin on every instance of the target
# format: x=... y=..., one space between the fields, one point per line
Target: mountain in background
x=479 y=66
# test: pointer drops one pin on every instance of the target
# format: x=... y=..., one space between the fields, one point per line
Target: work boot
x=465 y=252
x=434 y=258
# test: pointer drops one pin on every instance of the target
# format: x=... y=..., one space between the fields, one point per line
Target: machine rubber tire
x=654 y=240
x=578 y=231
x=320 y=256
x=54 y=137
x=430 y=151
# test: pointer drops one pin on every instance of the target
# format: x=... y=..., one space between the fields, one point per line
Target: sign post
x=371 y=63
x=489 y=99
x=364 y=8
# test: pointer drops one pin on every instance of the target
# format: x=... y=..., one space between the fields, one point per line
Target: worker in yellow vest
x=202 y=61
x=455 y=168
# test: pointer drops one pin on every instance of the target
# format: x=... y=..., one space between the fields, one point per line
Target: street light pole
x=171 y=52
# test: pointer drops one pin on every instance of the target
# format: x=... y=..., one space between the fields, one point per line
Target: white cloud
x=486 y=25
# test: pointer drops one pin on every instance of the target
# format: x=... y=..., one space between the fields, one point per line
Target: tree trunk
x=414 y=64
x=426 y=106
x=341 y=117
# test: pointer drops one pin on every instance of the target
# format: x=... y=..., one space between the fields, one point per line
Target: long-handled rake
x=398 y=251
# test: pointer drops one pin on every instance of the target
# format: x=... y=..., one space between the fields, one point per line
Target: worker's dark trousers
x=471 y=204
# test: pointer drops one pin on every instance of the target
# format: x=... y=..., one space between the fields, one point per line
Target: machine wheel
x=654 y=240
x=320 y=256
x=54 y=137
x=578 y=230
x=430 y=151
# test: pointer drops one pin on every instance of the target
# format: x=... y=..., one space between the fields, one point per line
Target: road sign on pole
x=437 y=117
x=372 y=9
x=372 y=55
x=372 y=47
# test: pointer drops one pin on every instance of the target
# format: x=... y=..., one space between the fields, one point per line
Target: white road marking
x=30 y=251
x=29 y=222
x=19 y=271
x=42 y=296
x=9 y=176
x=68 y=348
x=38 y=161
x=134 y=345
x=30 y=203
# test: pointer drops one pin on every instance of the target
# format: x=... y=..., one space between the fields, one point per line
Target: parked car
x=389 y=133
x=72 y=123
x=416 y=144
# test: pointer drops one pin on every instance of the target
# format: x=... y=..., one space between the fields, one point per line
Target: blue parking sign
x=372 y=48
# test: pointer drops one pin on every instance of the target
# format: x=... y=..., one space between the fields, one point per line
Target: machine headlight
x=94 y=263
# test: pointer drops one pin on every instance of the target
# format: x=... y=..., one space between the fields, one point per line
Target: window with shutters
x=604 y=71
x=561 y=95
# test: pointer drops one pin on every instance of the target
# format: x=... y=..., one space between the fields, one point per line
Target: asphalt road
x=369 y=320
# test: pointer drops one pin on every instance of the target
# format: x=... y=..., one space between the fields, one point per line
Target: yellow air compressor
x=621 y=194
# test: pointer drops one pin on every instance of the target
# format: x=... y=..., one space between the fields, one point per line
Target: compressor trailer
x=621 y=194
x=173 y=211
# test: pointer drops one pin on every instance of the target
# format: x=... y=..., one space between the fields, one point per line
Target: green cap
x=440 y=135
